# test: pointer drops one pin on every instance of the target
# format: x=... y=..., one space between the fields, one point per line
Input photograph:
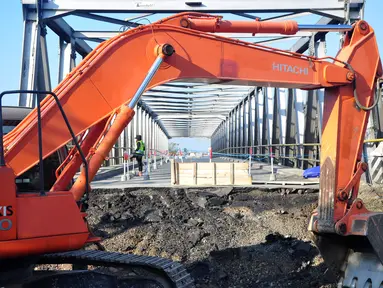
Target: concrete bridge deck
x=110 y=177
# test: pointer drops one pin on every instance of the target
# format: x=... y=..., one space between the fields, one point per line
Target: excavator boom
x=184 y=47
x=102 y=79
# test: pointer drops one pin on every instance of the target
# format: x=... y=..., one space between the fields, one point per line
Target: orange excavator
x=49 y=226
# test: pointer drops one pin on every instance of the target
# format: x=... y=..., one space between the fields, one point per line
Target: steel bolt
x=359 y=205
x=168 y=50
x=350 y=76
x=363 y=28
x=364 y=166
x=342 y=196
x=363 y=25
x=184 y=23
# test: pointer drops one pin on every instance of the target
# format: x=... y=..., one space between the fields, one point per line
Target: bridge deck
x=285 y=177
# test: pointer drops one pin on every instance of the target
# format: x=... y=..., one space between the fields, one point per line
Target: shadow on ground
x=279 y=262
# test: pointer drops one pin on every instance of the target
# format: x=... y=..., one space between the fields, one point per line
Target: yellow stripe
x=373 y=140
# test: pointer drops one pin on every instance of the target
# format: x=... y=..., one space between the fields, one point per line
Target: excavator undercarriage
x=33 y=225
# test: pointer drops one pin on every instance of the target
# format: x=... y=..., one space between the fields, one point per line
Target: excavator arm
x=104 y=80
x=113 y=76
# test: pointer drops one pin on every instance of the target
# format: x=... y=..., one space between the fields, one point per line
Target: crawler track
x=133 y=270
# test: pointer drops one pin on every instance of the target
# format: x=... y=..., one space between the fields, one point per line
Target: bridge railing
x=119 y=155
x=292 y=155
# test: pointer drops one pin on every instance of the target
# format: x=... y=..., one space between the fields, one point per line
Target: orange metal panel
x=35 y=246
x=8 y=209
x=51 y=215
x=83 y=105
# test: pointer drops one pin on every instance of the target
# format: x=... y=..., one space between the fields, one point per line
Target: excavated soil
x=226 y=237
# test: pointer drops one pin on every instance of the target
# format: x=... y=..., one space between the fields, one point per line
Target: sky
x=11 y=28
x=192 y=144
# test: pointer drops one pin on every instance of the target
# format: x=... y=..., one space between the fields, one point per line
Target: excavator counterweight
x=184 y=47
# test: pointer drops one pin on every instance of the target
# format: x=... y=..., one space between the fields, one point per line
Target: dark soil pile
x=226 y=237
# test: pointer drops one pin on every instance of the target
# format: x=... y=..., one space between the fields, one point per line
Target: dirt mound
x=226 y=237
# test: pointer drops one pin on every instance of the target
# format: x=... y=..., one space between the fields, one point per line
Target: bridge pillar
x=34 y=64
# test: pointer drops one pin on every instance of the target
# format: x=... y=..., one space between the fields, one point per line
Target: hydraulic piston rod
x=289 y=27
x=167 y=50
x=324 y=28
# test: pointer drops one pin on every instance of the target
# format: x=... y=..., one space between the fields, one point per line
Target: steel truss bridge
x=284 y=122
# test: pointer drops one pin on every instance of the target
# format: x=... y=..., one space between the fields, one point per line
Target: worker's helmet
x=138 y=137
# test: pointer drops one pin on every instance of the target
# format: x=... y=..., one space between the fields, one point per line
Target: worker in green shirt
x=139 y=153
